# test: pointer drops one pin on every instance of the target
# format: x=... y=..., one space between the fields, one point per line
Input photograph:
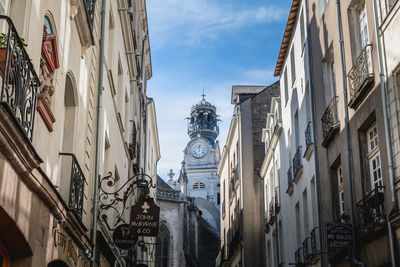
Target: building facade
x=352 y=129
x=242 y=220
x=73 y=99
x=289 y=173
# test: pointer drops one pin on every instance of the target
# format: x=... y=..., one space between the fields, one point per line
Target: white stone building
x=68 y=117
x=290 y=179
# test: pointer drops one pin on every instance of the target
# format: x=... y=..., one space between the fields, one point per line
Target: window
x=285 y=85
x=292 y=66
x=322 y=5
x=298 y=226
x=163 y=247
x=385 y=8
x=363 y=26
x=302 y=29
x=47 y=25
x=339 y=176
x=199 y=186
x=4 y=7
x=329 y=76
x=374 y=157
x=305 y=213
x=218 y=198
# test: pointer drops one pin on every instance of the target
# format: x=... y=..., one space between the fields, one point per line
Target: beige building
x=357 y=181
x=73 y=107
x=242 y=205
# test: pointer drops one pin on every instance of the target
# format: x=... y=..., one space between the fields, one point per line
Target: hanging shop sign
x=145 y=215
x=339 y=235
x=123 y=236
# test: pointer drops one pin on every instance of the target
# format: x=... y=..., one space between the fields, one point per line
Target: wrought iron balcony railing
x=306 y=250
x=235 y=242
x=309 y=140
x=90 y=8
x=290 y=180
x=330 y=122
x=297 y=165
x=371 y=210
x=298 y=257
x=19 y=81
x=315 y=247
x=72 y=183
x=271 y=211
x=361 y=76
x=277 y=202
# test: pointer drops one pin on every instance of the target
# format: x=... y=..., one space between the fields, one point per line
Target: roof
x=287 y=36
x=162 y=184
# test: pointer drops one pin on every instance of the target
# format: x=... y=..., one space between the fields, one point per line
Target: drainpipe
x=150 y=100
x=141 y=96
x=395 y=207
x=346 y=127
x=314 y=136
x=98 y=134
x=276 y=214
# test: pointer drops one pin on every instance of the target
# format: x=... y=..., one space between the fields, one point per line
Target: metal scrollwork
x=117 y=200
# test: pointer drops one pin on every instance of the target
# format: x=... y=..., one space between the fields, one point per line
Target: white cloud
x=193 y=22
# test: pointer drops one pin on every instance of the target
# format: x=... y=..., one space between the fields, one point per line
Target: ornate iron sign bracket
x=112 y=200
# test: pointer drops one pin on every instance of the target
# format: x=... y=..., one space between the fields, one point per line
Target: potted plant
x=3 y=51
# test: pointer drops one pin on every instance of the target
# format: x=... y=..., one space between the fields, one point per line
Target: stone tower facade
x=202 y=153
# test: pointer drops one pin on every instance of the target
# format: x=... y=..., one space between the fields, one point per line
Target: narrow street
x=199 y=133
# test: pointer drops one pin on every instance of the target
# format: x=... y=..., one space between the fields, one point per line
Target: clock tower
x=202 y=154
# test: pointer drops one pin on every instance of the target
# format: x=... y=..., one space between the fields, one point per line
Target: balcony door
x=363 y=26
x=374 y=157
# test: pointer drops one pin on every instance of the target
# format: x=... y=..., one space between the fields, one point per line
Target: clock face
x=199 y=149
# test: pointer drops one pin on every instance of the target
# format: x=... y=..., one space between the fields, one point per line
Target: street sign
x=145 y=215
x=339 y=235
x=123 y=236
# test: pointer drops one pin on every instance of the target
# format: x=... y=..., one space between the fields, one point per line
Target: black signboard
x=145 y=215
x=339 y=235
x=123 y=236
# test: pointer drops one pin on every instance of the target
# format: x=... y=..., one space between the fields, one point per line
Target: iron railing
x=361 y=75
x=297 y=164
x=271 y=211
x=308 y=134
x=72 y=189
x=306 y=250
x=277 y=200
x=314 y=241
x=90 y=8
x=237 y=237
x=298 y=257
x=290 y=179
x=330 y=121
x=371 y=209
x=19 y=81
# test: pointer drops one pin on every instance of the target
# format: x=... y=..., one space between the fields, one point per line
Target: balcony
x=298 y=257
x=371 y=210
x=311 y=248
x=19 y=81
x=297 y=165
x=277 y=200
x=361 y=76
x=267 y=228
x=315 y=245
x=290 y=181
x=309 y=141
x=84 y=18
x=72 y=183
x=235 y=242
x=330 y=122
x=271 y=212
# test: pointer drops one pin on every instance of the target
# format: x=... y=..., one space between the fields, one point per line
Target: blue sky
x=210 y=44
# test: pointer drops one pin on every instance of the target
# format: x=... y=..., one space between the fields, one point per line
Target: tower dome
x=203 y=120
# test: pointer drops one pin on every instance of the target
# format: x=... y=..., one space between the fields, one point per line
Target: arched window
x=57 y=263
x=199 y=186
x=162 y=247
x=48 y=64
x=47 y=26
